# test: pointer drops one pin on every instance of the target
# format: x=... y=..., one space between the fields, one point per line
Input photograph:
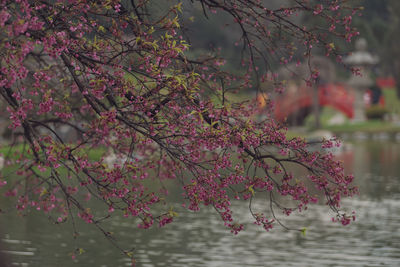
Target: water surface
x=200 y=239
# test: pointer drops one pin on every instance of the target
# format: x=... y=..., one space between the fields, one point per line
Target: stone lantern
x=363 y=60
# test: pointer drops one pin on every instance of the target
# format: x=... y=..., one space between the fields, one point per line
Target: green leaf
x=251 y=190
x=172 y=213
x=303 y=231
x=44 y=192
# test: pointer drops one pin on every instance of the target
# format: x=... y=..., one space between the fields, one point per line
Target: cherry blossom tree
x=120 y=78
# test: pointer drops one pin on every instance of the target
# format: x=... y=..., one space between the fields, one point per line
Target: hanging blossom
x=120 y=80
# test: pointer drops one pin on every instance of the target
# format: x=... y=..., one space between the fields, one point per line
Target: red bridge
x=335 y=95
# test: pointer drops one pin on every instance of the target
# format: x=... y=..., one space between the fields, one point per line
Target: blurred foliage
x=217 y=32
x=380 y=25
x=392 y=103
x=375 y=112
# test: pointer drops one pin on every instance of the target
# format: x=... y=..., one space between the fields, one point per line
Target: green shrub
x=376 y=112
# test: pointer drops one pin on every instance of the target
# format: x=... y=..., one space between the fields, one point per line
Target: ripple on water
x=201 y=240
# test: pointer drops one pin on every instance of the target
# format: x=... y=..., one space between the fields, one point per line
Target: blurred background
x=335 y=104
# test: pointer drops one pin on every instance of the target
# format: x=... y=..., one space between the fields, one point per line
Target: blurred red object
x=386 y=82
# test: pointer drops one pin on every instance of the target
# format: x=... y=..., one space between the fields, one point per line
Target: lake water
x=200 y=239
